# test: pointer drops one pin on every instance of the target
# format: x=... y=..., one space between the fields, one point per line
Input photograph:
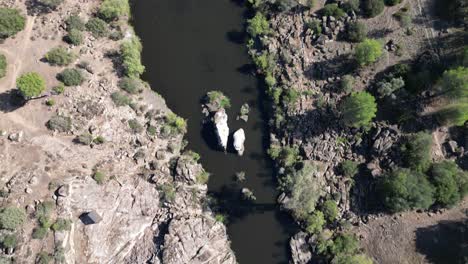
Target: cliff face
x=132 y=172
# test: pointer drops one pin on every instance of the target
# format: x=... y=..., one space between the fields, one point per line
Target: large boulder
x=239 y=139
x=222 y=130
x=300 y=250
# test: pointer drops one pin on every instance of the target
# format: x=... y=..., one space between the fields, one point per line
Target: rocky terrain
x=133 y=172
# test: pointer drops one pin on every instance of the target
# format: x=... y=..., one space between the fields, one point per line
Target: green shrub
x=59 y=123
x=50 y=102
x=174 y=125
x=358 y=109
x=40 y=232
x=51 y=4
x=373 y=8
x=290 y=96
x=403 y=190
x=330 y=210
x=217 y=100
x=44 y=209
x=11 y=22
x=387 y=88
x=85 y=139
x=11 y=217
x=9 y=241
x=99 y=140
x=120 y=99
x=416 y=151
x=131 y=85
x=345 y=244
x=220 y=218
x=74 y=37
x=3 y=66
x=59 y=56
x=30 y=85
x=454 y=83
x=450 y=182
x=285 y=156
x=113 y=9
x=258 y=25
x=347 y=84
x=453 y=114
x=168 y=192
x=59 y=255
x=43 y=258
x=74 y=22
x=333 y=10
x=97 y=27
x=59 y=89
x=99 y=177
x=71 y=77
x=349 y=168
x=135 y=126
x=368 y=52
x=203 y=177
x=352 y=5
x=270 y=80
x=130 y=51
x=357 y=31
x=404 y=17
x=315 y=26
x=62 y=225
x=315 y=222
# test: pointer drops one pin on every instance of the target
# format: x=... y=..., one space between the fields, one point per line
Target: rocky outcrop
x=239 y=139
x=196 y=239
x=222 y=130
x=300 y=249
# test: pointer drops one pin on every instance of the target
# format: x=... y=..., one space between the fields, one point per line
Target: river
x=195 y=46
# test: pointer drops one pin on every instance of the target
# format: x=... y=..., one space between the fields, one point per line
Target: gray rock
x=300 y=250
x=222 y=130
x=16 y=137
x=239 y=139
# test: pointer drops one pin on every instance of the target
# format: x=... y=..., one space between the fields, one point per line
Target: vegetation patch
x=30 y=85
x=11 y=22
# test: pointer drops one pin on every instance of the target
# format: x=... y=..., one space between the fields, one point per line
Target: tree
x=330 y=210
x=74 y=37
x=59 y=56
x=75 y=22
x=416 y=151
x=357 y=31
x=453 y=114
x=349 y=168
x=11 y=218
x=11 y=22
x=30 y=85
x=333 y=10
x=345 y=244
x=130 y=51
x=71 y=77
x=368 y=51
x=403 y=189
x=113 y=9
x=358 y=109
x=258 y=25
x=373 y=8
x=315 y=222
x=454 y=83
x=3 y=66
x=451 y=183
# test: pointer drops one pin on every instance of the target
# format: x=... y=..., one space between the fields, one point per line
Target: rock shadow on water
x=445 y=242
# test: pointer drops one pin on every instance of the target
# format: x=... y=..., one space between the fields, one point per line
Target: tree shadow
x=337 y=66
x=379 y=33
x=445 y=242
x=35 y=8
x=10 y=101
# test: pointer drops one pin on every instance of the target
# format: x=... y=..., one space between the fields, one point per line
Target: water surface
x=192 y=47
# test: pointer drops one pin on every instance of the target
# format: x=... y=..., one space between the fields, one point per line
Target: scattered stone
x=300 y=250
x=16 y=137
x=222 y=130
x=248 y=194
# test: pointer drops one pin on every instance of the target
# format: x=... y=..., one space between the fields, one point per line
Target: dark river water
x=192 y=47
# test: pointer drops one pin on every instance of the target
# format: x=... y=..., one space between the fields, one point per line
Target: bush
x=130 y=51
x=368 y=52
x=174 y=124
x=315 y=223
x=85 y=139
x=30 y=85
x=454 y=114
x=99 y=177
x=51 y=4
x=3 y=66
x=347 y=84
x=403 y=190
x=333 y=10
x=373 y=8
x=203 y=177
x=358 y=109
x=135 y=126
x=9 y=241
x=217 y=100
x=59 y=56
x=304 y=192
x=113 y=9
x=315 y=26
x=387 y=88
x=352 y=5
x=120 y=99
x=97 y=27
x=454 y=83
x=59 y=123
x=131 y=85
x=290 y=96
x=71 y=77
x=11 y=218
x=74 y=22
x=44 y=209
x=258 y=25
x=357 y=31
x=40 y=232
x=404 y=17
x=416 y=151
x=62 y=225
x=450 y=182
x=99 y=140
x=285 y=156
x=11 y=22
x=50 y=102
x=349 y=168
x=330 y=210
x=345 y=244
x=59 y=89
x=168 y=192
x=43 y=258
x=74 y=37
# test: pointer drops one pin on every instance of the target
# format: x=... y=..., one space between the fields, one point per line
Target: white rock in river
x=222 y=129
x=239 y=139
